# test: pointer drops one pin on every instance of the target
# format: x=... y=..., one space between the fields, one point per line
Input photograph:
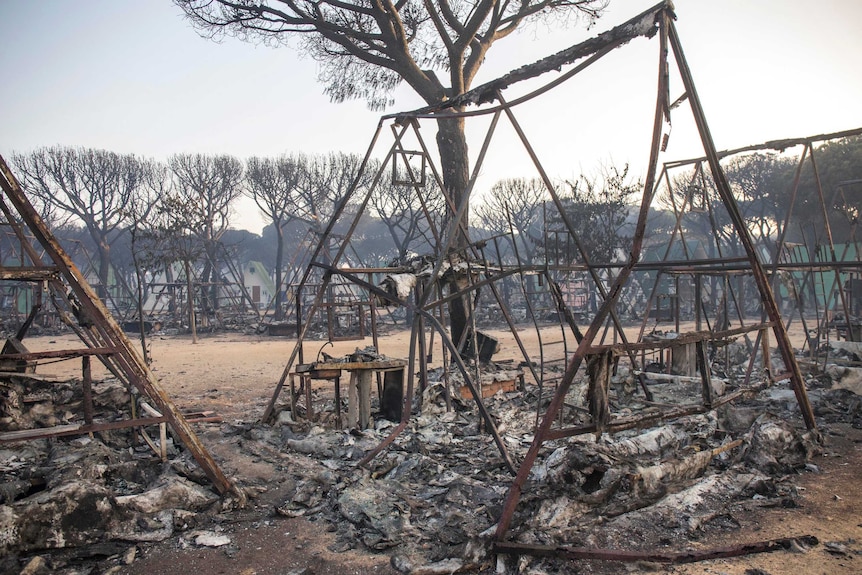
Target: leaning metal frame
x=96 y=328
x=783 y=262
x=656 y=21
x=782 y=259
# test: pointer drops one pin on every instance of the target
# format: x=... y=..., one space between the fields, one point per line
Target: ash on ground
x=431 y=500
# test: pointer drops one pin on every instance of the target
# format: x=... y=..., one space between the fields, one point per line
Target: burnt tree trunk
x=455 y=165
x=193 y=328
x=140 y=293
x=104 y=268
x=204 y=296
x=279 y=266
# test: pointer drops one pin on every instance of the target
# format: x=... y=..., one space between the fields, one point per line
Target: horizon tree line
x=155 y=213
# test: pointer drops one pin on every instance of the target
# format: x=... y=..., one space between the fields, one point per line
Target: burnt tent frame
x=428 y=298
x=593 y=50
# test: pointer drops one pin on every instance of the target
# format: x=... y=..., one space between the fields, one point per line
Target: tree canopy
x=88 y=186
x=368 y=47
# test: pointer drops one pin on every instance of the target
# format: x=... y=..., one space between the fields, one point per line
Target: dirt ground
x=235 y=375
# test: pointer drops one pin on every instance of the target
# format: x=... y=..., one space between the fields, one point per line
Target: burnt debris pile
x=431 y=500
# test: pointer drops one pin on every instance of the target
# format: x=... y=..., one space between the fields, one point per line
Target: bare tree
x=171 y=237
x=515 y=202
x=324 y=182
x=702 y=215
x=761 y=183
x=298 y=191
x=141 y=226
x=411 y=215
x=598 y=208
x=91 y=186
x=273 y=185
x=207 y=186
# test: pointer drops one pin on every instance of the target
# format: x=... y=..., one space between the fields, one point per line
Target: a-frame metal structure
x=658 y=22
x=44 y=261
x=669 y=41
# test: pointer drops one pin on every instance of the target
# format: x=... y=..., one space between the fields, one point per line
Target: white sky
x=132 y=76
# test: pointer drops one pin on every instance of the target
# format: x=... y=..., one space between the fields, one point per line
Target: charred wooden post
x=87 y=383
x=599 y=371
x=767 y=354
x=705 y=375
x=392 y=399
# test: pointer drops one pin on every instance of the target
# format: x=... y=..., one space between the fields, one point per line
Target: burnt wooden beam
x=60 y=353
x=777 y=145
x=674 y=557
x=82 y=429
x=28 y=273
x=75 y=429
x=644 y=24
x=644 y=419
x=684 y=338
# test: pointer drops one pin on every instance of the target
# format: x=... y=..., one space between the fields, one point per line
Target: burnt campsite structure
x=470 y=272
x=44 y=264
x=601 y=367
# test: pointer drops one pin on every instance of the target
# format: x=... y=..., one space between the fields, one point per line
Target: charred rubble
x=86 y=497
x=434 y=496
x=431 y=500
x=435 y=491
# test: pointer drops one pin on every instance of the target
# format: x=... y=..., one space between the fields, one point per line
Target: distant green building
x=824 y=285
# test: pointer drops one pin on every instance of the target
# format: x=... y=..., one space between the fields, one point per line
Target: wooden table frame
x=359 y=390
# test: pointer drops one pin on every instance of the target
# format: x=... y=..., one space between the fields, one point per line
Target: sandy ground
x=236 y=374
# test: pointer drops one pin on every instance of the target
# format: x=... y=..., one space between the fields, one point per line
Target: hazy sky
x=132 y=76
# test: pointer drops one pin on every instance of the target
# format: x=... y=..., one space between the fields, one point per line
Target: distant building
x=258 y=283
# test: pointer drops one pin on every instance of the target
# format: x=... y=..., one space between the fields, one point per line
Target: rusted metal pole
x=581 y=553
x=529 y=305
x=705 y=375
x=514 y=494
x=407 y=405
